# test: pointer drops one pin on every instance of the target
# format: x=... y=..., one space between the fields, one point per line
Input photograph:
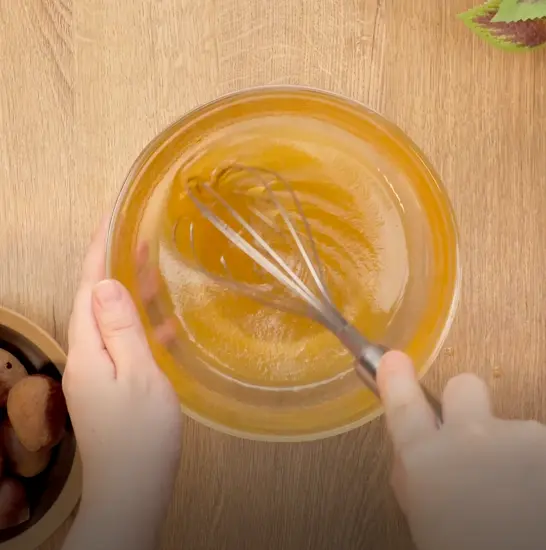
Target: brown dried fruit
x=37 y=412
x=20 y=460
x=11 y=371
x=14 y=508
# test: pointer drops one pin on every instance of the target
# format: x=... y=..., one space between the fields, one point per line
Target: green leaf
x=516 y=36
x=511 y=11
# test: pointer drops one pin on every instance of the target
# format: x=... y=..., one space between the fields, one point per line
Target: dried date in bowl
x=53 y=493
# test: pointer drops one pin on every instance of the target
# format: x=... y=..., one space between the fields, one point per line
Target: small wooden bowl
x=54 y=494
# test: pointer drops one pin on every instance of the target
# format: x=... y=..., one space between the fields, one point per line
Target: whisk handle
x=368 y=365
x=368 y=360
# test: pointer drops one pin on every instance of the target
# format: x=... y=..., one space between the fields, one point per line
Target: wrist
x=111 y=480
x=111 y=526
x=137 y=491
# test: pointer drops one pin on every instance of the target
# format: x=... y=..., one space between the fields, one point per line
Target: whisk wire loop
x=317 y=306
x=314 y=268
x=281 y=271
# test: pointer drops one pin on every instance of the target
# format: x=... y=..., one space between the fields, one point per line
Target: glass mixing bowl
x=397 y=176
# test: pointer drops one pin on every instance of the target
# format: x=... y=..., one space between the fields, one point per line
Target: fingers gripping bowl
x=384 y=230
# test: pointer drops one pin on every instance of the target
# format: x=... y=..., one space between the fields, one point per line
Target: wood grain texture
x=86 y=83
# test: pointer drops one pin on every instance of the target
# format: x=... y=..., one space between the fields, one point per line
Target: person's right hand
x=475 y=483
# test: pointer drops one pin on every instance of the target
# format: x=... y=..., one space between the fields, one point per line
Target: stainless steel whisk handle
x=367 y=366
x=369 y=357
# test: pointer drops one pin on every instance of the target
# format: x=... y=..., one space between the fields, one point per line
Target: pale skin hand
x=126 y=417
x=478 y=482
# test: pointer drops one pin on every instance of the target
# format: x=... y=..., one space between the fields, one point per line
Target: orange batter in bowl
x=383 y=230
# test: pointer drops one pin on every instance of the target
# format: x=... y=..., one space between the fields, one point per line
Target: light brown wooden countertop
x=85 y=84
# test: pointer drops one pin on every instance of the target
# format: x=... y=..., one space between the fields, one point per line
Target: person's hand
x=125 y=414
x=475 y=483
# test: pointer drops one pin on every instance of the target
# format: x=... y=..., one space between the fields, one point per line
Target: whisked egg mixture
x=357 y=224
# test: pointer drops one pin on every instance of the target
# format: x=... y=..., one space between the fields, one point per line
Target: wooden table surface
x=85 y=84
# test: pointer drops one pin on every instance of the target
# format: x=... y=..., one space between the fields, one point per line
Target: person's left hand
x=125 y=413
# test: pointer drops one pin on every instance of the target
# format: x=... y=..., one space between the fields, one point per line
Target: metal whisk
x=302 y=287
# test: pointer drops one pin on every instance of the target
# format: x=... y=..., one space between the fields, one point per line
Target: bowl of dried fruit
x=40 y=469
